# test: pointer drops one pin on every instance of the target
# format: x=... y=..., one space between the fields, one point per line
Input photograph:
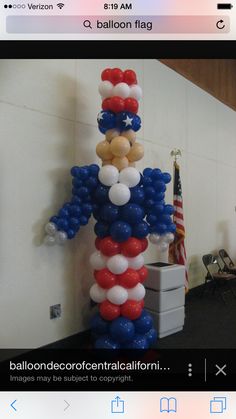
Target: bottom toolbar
x=130 y=405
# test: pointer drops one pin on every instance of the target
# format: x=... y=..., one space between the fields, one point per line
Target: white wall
x=48 y=115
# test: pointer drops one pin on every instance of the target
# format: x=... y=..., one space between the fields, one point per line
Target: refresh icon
x=220 y=24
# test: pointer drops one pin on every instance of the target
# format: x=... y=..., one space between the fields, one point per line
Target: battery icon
x=224 y=6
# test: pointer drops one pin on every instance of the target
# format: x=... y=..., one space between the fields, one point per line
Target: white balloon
x=117 y=264
x=137 y=293
x=137 y=262
x=121 y=90
x=169 y=237
x=136 y=92
x=154 y=238
x=51 y=229
x=117 y=295
x=129 y=177
x=108 y=175
x=105 y=89
x=61 y=237
x=97 y=261
x=163 y=247
x=97 y=293
x=49 y=240
x=119 y=194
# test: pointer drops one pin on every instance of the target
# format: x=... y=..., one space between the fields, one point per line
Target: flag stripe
x=177 y=248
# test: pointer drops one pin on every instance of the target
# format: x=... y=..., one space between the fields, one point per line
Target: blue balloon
x=147 y=181
x=63 y=224
x=109 y=213
x=99 y=325
x=132 y=213
x=87 y=209
x=101 y=194
x=136 y=123
x=128 y=120
x=83 y=220
x=106 y=119
x=75 y=171
x=159 y=186
x=171 y=228
x=150 y=192
x=74 y=223
x=158 y=209
x=82 y=192
x=75 y=210
x=151 y=219
x=94 y=169
x=137 y=195
x=149 y=203
x=63 y=213
x=54 y=219
x=76 y=200
x=101 y=229
x=70 y=233
x=159 y=228
x=120 y=231
x=91 y=183
x=169 y=209
x=151 y=336
x=166 y=177
x=144 y=323
x=157 y=174
x=139 y=342
x=105 y=342
x=102 y=130
x=140 y=230
x=77 y=183
x=147 y=172
x=122 y=329
x=159 y=197
x=84 y=173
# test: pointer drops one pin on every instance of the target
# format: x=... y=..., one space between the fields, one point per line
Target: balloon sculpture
x=128 y=206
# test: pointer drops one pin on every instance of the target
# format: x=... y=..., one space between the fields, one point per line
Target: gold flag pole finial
x=176 y=153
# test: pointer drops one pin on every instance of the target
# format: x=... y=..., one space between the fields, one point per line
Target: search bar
x=118 y=24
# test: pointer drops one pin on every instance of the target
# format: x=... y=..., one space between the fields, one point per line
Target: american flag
x=177 y=251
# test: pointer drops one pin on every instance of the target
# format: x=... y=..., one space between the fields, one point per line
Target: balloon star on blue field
x=100 y=116
x=128 y=121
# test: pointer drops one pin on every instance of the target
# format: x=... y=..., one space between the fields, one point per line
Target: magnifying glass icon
x=87 y=24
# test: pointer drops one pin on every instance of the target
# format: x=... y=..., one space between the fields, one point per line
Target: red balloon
x=142 y=303
x=116 y=76
x=131 y=247
x=106 y=74
x=109 y=247
x=131 y=105
x=129 y=279
x=144 y=243
x=143 y=273
x=130 y=77
x=117 y=104
x=97 y=243
x=105 y=278
x=109 y=311
x=131 y=309
x=106 y=104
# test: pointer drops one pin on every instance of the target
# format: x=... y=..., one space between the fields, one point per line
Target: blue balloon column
x=127 y=206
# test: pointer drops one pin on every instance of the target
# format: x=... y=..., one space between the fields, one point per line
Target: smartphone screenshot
x=118 y=209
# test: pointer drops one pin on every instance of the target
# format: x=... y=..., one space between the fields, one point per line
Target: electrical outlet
x=55 y=311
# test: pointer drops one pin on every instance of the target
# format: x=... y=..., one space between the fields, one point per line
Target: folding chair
x=216 y=275
x=229 y=265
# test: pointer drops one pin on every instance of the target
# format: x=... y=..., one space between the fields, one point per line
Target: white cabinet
x=165 y=297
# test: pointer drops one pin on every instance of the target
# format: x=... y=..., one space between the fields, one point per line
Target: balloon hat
x=128 y=206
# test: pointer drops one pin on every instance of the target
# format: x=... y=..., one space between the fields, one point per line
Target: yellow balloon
x=120 y=162
x=105 y=162
x=130 y=135
x=133 y=164
x=136 y=152
x=111 y=133
x=103 y=150
x=120 y=146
